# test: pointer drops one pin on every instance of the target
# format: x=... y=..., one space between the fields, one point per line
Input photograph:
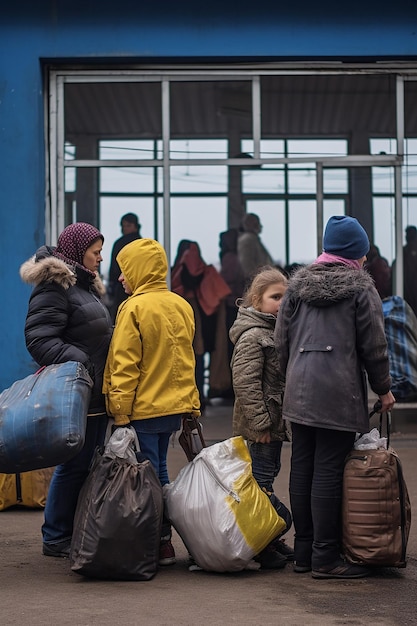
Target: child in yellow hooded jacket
x=149 y=379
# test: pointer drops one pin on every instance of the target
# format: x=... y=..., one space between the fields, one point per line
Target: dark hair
x=132 y=218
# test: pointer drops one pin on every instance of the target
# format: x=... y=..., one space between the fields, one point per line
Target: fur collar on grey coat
x=324 y=284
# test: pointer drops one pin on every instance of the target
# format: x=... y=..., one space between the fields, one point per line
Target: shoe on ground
x=341 y=569
x=301 y=568
x=166 y=553
x=61 y=550
x=269 y=558
x=281 y=547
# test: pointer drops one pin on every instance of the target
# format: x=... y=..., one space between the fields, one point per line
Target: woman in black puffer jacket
x=66 y=321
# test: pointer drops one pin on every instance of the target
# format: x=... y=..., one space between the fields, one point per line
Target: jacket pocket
x=315 y=347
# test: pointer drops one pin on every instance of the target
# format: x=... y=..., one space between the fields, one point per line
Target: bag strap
x=387 y=414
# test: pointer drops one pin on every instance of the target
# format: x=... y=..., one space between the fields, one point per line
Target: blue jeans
x=266 y=463
x=66 y=485
x=154 y=435
x=316 y=481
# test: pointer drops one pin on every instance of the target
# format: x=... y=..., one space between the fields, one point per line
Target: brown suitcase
x=375 y=507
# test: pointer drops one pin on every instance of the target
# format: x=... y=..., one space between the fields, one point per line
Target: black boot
x=326 y=513
x=303 y=524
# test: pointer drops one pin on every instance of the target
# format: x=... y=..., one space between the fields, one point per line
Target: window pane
x=130 y=149
x=70 y=174
x=384 y=226
x=127 y=179
x=409 y=179
x=198 y=149
x=302 y=181
x=199 y=179
x=332 y=207
x=201 y=220
x=317 y=147
x=270 y=148
x=303 y=231
x=383 y=146
x=335 y=180
x=263 y=181
x=383 y=180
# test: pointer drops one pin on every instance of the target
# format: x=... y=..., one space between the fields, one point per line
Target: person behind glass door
x=130 y=226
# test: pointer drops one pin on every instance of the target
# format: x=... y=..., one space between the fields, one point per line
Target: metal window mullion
x=50 y=182
x=320 y=204
x=59 y=222
x=399 y=264
x=166 y=131
x=256 y=116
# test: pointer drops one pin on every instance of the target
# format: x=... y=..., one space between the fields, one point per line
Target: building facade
x=193 y=115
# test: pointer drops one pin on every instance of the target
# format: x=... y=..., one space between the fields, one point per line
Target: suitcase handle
x=376 y=409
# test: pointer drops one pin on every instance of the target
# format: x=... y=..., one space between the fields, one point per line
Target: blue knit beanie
x=345 y=237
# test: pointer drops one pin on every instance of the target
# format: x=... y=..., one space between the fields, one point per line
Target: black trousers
x=316 y=481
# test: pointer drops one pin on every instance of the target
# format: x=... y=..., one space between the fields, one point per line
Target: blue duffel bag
x=43 y=418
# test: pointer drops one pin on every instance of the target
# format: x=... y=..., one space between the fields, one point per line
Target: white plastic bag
x=121 y=445
x=219 y=510
x=371 y=440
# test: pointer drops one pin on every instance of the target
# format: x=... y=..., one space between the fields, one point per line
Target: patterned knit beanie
x=74 y=241
x=345 y=237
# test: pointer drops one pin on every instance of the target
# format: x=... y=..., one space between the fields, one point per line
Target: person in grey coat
x=330 y=340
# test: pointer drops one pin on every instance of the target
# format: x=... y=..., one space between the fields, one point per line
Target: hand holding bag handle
x=376 y=409
x=191 y=437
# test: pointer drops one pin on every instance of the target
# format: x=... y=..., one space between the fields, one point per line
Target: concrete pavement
x=42 y=591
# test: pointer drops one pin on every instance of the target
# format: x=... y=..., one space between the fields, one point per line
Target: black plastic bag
x=117 y=525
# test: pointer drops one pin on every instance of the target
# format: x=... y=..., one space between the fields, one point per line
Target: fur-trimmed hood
x=43 y=267
x=324 y=284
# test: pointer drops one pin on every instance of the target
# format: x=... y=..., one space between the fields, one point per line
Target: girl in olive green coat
x=257 y=414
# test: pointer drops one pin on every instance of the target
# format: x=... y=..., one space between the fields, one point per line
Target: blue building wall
x=33 y=32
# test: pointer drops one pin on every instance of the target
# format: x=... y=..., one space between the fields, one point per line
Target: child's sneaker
x=269 y=558
x=166 y=553
x=281 y=547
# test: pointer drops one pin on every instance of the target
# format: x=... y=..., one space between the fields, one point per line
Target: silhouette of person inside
x=251 y=251
x=380 y=270
x=130 y=226
x=203 y=287
x=232 y=272
x=410 y=267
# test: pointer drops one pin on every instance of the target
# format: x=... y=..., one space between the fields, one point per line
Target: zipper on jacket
x=225 y=489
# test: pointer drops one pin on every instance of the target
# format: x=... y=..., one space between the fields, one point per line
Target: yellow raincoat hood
x=144 y=264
